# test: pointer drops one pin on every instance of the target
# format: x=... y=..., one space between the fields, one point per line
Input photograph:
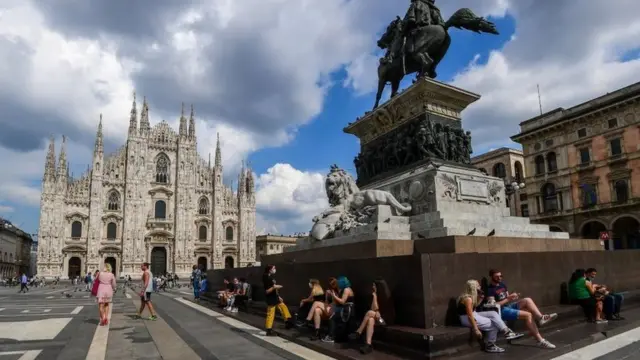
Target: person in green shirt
x=581 y=292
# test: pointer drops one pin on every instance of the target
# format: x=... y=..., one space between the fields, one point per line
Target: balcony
x=617 y=158
x=154 y=223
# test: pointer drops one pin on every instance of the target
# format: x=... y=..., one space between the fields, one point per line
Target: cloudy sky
x=278 y=79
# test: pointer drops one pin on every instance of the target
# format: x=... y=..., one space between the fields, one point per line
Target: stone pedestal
x=451 y=200
x=419 y=125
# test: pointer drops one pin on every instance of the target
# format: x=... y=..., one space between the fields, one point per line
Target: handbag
x=96 y=283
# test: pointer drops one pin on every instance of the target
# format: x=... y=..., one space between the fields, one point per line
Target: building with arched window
x=507 y=164
x=155 y=199
x=15 y=247
x=583 y=168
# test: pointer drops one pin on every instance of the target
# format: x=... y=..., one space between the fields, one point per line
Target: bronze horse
x=432 y=43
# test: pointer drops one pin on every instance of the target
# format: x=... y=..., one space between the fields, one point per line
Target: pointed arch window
x=162 y=169
x=113 y=201
x=202 y=233
x=76 y=229
x=229 y=233
x=203 y=206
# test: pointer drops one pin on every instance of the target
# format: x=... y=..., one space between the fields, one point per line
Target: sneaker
x=327 y=339
x=511 y=335
x=493 y=348
x=618 y=317
x=153 y=318
x=546 y=344
x=547 y=319
x=270 y=332
x=603 y=321
x=234 y=310
x=228 y=308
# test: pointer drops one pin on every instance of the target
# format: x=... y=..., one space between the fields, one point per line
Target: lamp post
x=513 y=188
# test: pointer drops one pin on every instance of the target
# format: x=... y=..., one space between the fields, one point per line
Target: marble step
x=505 y=224
x=462 y=231
x=479 y=216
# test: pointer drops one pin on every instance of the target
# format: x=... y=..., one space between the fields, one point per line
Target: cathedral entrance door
x=111 y=261
x=158 y=261
x=74 y=267
x=202 y=263
x=228 y=262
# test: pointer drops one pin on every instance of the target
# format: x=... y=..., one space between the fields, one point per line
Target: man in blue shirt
x=514 y=308
x=23 y=283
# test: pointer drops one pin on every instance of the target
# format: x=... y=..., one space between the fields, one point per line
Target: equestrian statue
x=417 y=43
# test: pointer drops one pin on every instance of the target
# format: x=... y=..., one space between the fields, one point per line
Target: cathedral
x=154 y=200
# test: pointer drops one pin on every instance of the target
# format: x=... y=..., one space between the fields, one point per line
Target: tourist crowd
x=486 y=307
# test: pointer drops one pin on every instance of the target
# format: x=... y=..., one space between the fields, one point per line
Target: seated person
x=231 y=295
x=223 y=294
x=316 y=295
x=581 y=292
x=244 y=293
x=513 y=308
x=322 y=310
x=612 y=301
x=380 y=303
x=488 y=322
x=342 y=310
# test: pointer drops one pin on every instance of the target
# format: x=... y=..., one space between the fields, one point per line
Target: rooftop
x=6 y=225
x=495 y=153
x=560 y=115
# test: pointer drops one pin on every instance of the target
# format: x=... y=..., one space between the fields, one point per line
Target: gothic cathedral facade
x=154 y=200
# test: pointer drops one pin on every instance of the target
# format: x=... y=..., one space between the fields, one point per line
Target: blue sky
x=257 y=73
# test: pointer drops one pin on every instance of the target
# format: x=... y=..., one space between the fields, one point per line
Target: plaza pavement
x=48 y=324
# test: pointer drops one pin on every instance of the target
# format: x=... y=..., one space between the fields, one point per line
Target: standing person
x=145 y=294
x=196 y=277
x=23 y=283
x=106 y=288
x=274 y=300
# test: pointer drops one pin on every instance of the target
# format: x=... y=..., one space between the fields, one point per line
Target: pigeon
x=388 y=220
x=492 y=232
x=421 y=236
x=375 y=228
x=472 y=232
x=68 y=295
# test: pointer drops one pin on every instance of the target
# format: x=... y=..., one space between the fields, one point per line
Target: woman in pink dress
x=106 y=288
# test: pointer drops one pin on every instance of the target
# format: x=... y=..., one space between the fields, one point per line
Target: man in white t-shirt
x=145 y=294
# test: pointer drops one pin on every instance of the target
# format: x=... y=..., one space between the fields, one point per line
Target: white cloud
x=5 y=209
x=287 y=199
